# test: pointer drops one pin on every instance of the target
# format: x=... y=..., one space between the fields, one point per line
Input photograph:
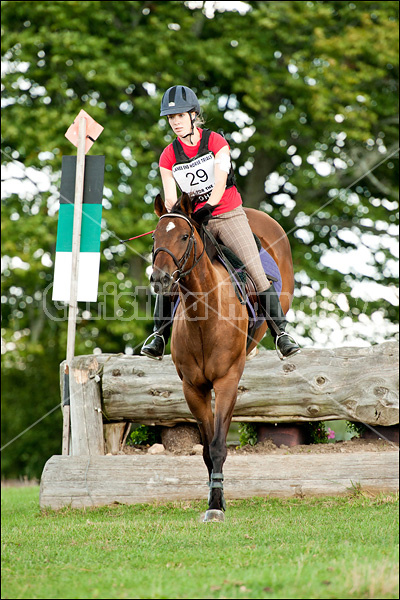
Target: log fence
x=109 y=392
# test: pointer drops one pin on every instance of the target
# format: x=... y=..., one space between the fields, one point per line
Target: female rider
x=198 y=161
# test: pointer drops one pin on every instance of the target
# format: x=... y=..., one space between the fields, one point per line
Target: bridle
x=181 y=262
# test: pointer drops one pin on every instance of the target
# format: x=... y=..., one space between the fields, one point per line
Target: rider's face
x=181 y=124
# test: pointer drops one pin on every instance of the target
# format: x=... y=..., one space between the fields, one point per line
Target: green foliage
x=343 y=547
x=316 y=432
x=356 y=428
x=247 y=434
x=145 y=434
x=27 y=397
x=295 y=86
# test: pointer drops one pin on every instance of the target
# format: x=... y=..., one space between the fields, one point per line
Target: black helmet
x=179 y=99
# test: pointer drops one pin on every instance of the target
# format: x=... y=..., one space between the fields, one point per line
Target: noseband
x=181 y=262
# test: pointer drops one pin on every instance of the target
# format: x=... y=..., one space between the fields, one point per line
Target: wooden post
x=65 y=395
x=86 y=415
x=115 y=435
x=73 y=303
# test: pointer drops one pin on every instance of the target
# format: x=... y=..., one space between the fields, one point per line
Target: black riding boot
x=272 y=310
x=162 y=328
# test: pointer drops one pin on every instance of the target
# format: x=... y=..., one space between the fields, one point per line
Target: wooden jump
x=108 y=391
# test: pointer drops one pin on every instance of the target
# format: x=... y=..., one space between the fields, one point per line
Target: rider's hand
x=203 y=214
x=169 y=204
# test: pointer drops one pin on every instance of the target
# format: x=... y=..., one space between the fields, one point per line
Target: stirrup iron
x=279 y=353
x=154 y=334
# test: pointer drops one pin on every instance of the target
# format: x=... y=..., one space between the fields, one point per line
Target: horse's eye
x=185 y=237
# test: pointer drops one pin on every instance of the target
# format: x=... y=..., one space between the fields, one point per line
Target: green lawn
x=267 y=548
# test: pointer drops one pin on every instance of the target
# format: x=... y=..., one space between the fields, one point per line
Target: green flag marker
x=89 y=255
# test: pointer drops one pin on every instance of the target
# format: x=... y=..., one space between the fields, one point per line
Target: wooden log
x=115 y=435
x=80 y=481
x=356 y=384
x=86 y=416
x=290 y=434
x=379 y=432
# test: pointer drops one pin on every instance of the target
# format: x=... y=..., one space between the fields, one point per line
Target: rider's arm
x=222 y=159
x=169 y=185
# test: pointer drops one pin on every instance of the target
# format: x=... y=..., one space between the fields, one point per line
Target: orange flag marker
x=93 y=130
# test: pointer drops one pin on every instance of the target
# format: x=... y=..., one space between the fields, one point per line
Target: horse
x=209 y=334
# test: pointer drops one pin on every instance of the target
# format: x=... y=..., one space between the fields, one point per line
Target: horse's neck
x=200 y=291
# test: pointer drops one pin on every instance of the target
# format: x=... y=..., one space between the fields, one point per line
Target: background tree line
x=306 y=94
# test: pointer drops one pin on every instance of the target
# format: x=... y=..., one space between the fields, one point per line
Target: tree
x=305 y=92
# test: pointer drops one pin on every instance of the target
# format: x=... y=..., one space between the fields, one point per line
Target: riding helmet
x=179 y=99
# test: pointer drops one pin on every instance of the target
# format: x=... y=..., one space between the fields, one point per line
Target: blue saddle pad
x=271 y=268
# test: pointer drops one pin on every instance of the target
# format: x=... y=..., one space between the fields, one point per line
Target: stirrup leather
x=154 y=334
x=279 y=353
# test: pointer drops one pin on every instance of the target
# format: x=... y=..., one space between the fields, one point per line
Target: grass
x=267 y=548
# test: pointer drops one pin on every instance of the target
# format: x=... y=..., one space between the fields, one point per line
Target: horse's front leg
x=199 y=402
x=225 y=398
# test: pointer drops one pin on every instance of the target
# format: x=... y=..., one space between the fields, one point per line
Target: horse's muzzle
x=161 y=281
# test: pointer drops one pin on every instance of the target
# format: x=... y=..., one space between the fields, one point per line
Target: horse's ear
x=159 y=206
x=186 y=204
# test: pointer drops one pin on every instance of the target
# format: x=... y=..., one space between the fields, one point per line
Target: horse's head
x=175 y=251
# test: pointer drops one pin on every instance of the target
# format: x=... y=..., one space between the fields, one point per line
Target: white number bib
x=197 y=176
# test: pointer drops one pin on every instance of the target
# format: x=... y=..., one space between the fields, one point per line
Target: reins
x=181 y=262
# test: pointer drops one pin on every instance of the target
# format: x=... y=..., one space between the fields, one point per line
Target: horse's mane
x=177 y=208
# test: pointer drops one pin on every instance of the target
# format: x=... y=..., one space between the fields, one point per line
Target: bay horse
x=208 y=343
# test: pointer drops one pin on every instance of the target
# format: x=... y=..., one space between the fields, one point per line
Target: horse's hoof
x=213 y=516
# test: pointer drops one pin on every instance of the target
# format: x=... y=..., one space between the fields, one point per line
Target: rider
x=198 y=161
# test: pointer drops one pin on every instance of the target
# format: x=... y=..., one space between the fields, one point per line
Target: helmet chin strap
x=192 y=120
